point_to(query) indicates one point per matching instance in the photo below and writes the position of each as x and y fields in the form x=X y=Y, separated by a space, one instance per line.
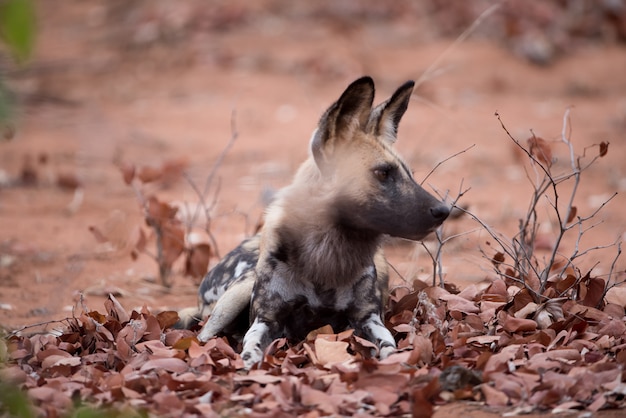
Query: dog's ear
x=349 y=113
x=384 y=119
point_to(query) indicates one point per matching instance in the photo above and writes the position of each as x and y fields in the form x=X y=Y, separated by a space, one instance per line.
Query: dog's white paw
x=386 y=352
x=250 y=358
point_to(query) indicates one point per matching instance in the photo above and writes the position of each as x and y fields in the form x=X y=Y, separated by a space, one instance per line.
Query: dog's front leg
x=365 y=314
x=258 y=337
x=372 y=329
x=266 y=306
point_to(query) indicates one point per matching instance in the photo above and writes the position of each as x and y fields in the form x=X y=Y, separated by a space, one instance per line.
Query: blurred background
x=230 y=91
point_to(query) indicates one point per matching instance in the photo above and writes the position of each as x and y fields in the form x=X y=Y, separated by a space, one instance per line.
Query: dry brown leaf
x=258 y=376
x=406 y=303
x=526 y=311
x=43 y=393
x=116 y=310
x=173 y=170
x=171 y=364
x=497 y=287
x=316 y=398
x=565 y=283
x=422 y=352
x=133 y=332
x=153 y=328
x=97 y=316
x=68 y=181
x=331 y=352
x=471 y=292
x=512 y=324
x=457 y=303
x=615 y=327
x=498 y=259
x=149 y=174
x=168 y=403
x=384 y=388
x=159 y=211
x=60 y=360
x=494 y=397
x=197 y=260
x=488 y=310
x=540 y=149
x=128 y=172
x=363 y=347
x=614 y=310
x=173 y=242
x=572 y=214
x=593 y=291
x=138 y=240
x=499 y=362
x=167 y=319
x=598 y=403
x=604 y=148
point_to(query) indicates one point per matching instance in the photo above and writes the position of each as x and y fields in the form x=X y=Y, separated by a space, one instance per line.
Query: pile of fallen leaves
x=488 y=343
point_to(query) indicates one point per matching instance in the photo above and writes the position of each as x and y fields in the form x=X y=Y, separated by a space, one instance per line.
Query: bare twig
x=216 y=165
x=607 y=287
x=521 y=247
x=397 y=272
x=444 y=160
x=462 y=37
x=436 y=258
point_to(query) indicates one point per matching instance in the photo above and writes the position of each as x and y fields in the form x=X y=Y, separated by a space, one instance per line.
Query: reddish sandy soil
x=93 y=100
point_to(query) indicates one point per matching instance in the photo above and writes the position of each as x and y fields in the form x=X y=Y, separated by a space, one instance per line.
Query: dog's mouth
x=421 y=235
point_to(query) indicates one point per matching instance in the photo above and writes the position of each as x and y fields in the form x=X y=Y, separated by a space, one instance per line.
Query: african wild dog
x=318 y=259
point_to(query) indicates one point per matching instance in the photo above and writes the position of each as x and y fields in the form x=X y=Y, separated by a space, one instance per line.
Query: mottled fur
x=318 y=259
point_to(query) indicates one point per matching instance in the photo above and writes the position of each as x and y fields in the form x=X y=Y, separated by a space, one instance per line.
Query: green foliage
x=17 y=31
x=6 y=105
x=91 y=412
x=4 y=355
x=14 y=402
x=17 y=27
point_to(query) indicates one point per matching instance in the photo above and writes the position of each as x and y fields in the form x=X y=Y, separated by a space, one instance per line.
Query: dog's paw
x=386 y=351
x=203 y=336
x=206 y=333
x=252 y=357
x=210 y=329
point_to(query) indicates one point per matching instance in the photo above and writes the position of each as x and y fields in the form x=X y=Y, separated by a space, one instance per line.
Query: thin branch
x=608 y=280
x=444 y=160
x=491 y=232
x=207 y=210
x=595 y=212
x=619 y=253
x=17 y=331
x=528 y=153
x=397 y=272
x=436 y=259
x=218 y=162
x=462 y=37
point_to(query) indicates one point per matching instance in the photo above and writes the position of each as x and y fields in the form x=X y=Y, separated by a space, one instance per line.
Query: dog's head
x=373 y=189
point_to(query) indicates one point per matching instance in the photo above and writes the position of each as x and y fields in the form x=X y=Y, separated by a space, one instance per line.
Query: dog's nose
x=440 y=213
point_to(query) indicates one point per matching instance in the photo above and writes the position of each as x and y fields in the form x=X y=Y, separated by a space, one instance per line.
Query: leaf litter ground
x=484 y=344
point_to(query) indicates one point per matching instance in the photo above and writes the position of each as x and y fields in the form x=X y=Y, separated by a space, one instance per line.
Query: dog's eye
x=383 y=173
